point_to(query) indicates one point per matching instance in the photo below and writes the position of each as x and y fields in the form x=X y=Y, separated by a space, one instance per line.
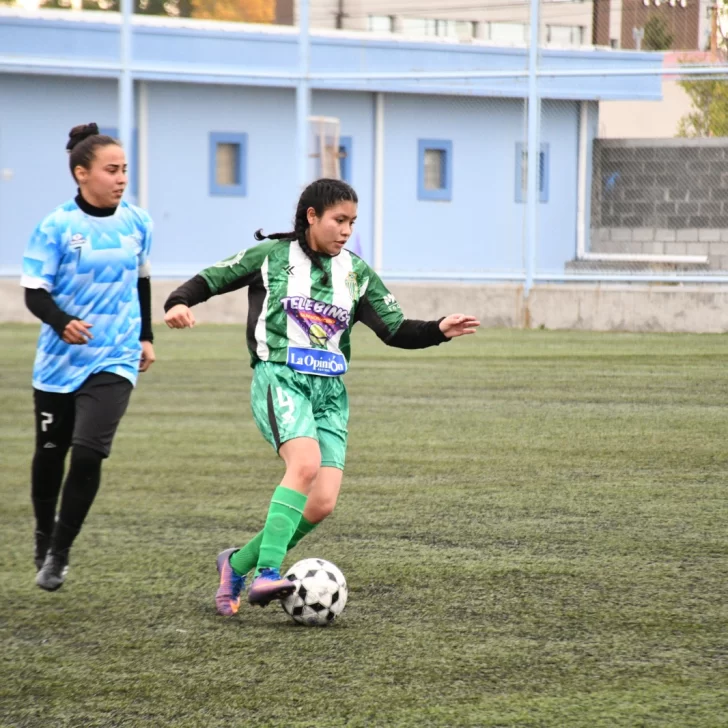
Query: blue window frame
x=228 y=164
x=132 y=158
x=521 y=173
x=434 y=169
x=345 y=150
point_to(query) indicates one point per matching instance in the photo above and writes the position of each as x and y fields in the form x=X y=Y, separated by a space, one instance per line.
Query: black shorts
x=89 y=416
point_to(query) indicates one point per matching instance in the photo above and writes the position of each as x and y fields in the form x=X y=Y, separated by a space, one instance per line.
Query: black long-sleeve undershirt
x=41 y=304
x=144 y=289
x=414 y=334
x=190 y=293
x=411 y=334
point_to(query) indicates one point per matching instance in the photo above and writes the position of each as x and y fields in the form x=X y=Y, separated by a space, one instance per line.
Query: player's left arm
x=144 y=290
x=380 y=311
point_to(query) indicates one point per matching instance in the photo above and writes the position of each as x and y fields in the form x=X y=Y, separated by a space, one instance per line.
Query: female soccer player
x=86 y=277
x=305 y=292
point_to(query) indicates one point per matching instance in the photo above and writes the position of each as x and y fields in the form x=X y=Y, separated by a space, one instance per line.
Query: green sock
x=304 y=528
x=246 y=558
x=284 y=515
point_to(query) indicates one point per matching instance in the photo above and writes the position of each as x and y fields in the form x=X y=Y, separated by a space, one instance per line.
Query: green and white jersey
x=296 y=319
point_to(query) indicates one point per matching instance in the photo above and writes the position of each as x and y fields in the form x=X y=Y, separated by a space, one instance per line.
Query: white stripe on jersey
x=299 y=284
x=260 y=327
x=341 y=266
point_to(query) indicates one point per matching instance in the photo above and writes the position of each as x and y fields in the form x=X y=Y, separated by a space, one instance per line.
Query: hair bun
x=81 y=132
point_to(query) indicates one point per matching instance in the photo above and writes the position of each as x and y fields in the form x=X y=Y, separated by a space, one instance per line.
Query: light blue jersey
x=90 y=266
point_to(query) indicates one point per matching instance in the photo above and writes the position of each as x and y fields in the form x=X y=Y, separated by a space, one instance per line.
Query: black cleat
x=42 y=542
x=53 y=572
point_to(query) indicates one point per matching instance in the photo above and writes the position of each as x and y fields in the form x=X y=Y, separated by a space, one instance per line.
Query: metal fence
x=630 y=178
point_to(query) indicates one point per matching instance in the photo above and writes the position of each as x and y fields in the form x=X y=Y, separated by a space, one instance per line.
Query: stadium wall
x=579 y=306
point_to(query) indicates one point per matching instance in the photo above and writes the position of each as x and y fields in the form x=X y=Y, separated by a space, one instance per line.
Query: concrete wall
x=661 y=196
x=588 y=307
x=657 y=119
x=645 y=119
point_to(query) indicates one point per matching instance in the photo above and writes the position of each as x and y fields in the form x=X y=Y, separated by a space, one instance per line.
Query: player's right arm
x=228 y=275
x=41 y=262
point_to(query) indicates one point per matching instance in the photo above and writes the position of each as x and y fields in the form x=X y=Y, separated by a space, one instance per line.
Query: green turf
x=533 y=526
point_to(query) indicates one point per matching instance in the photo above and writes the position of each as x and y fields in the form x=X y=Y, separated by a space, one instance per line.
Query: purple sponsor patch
x=320 y=321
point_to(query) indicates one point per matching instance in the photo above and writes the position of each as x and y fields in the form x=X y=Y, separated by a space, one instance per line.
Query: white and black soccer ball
x=320 y=594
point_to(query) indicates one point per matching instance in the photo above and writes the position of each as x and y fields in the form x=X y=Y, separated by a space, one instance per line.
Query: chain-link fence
x=429 y=109
x=658 y=185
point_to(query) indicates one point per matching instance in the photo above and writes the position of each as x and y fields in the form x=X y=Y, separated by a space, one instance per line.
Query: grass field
x=534 y=527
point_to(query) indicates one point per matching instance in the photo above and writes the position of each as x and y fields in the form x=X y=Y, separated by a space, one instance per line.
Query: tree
x=657 y=36
x=246 y=11
x=174 y=8
x=709 y=114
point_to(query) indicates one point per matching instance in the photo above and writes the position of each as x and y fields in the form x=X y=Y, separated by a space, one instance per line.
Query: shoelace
x=270 y=574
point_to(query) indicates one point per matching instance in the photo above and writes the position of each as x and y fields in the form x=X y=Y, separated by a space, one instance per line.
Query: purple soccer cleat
x=227 y=599
x=268 y=586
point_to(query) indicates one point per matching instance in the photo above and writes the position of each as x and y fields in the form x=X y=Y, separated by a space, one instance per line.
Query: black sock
x=79 y=491
x=46 y=480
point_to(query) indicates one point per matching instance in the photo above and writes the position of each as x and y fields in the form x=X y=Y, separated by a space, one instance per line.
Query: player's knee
x=304 y=470
x=85 y=460
x=50 y=455
x=319 y=508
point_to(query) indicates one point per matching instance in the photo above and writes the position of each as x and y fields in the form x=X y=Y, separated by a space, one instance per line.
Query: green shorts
x=288 y=404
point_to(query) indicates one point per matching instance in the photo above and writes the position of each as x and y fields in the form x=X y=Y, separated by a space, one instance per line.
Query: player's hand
x=77 y=332
x=179 y=317
x=148 y=358
x=458 y=324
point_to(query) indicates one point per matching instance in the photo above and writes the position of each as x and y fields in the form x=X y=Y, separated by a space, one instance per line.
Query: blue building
x=401 y=104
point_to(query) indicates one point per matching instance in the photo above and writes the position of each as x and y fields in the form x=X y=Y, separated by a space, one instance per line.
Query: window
x=345 y=147
x=228 y=163
x=446 y=28
x=418 y=26
x=508 y=32
x=132 y=158
x=460 y=29
x=434 y=169
x=565 y=35
x=522 y=173
x=380 y=23
x=465 y=29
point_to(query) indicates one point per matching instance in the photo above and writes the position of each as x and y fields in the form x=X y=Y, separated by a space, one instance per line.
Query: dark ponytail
x=321 y=195
x=83 y=140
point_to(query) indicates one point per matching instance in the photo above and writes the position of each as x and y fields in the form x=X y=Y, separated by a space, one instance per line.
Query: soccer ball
x=320 y=594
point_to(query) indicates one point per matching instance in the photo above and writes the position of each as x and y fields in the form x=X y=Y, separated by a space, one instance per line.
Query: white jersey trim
x=261 y=329
x=34 y=283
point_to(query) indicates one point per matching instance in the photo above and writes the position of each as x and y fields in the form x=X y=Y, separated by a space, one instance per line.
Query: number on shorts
x=47 y=420
x=285 y=400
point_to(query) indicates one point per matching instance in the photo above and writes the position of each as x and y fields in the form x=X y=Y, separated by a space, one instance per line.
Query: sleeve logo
x=391 y=302
x=231 y=261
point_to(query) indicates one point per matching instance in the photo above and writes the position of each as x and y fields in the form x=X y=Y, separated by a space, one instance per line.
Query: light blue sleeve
x=42 y=257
